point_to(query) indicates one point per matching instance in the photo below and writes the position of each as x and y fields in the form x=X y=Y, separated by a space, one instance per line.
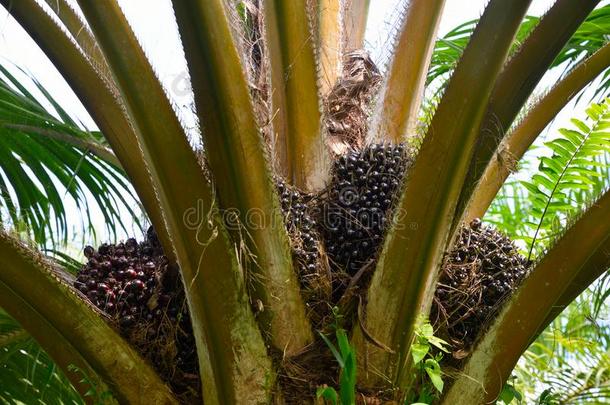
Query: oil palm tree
x=248 y=315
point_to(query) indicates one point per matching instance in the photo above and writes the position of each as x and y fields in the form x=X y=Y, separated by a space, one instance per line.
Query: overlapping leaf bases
x=336 y=237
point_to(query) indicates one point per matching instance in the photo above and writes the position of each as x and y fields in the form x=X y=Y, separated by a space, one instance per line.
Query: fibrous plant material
x=347 y=106
x=301 y=375
x=479 y=273
x=134 y=285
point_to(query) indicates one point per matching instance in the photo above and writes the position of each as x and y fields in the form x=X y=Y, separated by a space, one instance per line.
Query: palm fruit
x=356 y=212
x=300 y=221
x=120 y=279
x=301 y=228
x=134 y=285
x=478 y=274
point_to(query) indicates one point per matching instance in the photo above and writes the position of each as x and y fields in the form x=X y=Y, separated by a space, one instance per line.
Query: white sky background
x=159 y=36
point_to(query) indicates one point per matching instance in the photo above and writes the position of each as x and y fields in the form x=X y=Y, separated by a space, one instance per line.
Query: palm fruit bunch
x=120 y=279
x=356 y=213
x=478 y=274
x=300 y=221
x=301 y=227
x=134 y=285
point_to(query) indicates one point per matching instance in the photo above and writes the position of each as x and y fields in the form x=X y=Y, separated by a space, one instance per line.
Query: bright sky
x=158 y=33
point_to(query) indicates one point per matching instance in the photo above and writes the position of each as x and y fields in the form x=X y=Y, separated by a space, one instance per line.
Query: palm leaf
x=27 y=373
x=585 y=382
x=81 y=33
x=588 y=38
x=561 y=176
x=520 y=76
x=574 y=338
x=517 y=141
x=99 y=97
x=49 y=162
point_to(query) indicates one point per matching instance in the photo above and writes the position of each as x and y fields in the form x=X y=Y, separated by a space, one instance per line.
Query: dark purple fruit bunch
x=478 y=275
x=301 y=227
x=120 y=279
x=134 y=285
x=356 y=213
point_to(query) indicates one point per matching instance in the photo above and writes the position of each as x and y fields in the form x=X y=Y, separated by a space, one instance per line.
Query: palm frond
x=519 y=78
x=105 y=105
x=81 y=33
x=448 y=49
x=516 y=143
x=403 y=89
x=226 y=335
x=571 y=366
x=50 y=162
x=588 y=38
x=27 y=373
x=518 y=207
x=571 y=172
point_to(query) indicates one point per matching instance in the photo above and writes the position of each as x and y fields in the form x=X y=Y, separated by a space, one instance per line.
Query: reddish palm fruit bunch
x=356 y=213
x=133 y=284
x=478 y=275
x=120 y=279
